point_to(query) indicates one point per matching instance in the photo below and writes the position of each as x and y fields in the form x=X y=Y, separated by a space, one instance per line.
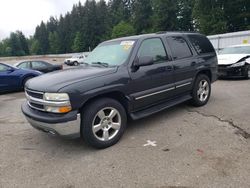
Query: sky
x=25 y=15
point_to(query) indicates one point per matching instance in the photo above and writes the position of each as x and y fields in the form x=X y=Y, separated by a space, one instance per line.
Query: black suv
x=127 y=77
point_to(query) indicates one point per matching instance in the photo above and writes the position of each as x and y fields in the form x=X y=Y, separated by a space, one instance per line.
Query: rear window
x=201 y=44
x=179 y=47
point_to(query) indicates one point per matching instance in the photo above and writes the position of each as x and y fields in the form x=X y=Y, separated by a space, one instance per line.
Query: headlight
x=240 y=64
x=57 y=102
x=56 y=97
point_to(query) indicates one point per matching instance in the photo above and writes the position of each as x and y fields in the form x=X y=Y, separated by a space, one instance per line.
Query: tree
x=23 y=42
x=103 y=22
x=78 y=43
x=184 y=15
x=41 y=34
x=142 y=14
x=35 y=47
x=165 y=15
x=122 y=29
x=237 y=14
x=15 y=45
x=54 y=43
x=210 y=17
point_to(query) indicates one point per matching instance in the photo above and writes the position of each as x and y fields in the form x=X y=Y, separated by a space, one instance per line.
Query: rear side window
x=179 y=47
x=201 y=44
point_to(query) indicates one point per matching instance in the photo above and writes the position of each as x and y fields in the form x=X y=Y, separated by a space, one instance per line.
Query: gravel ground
x=181 y=147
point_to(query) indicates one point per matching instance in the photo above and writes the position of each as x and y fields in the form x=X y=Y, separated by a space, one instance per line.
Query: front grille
x=35 y=94
x=34 y=99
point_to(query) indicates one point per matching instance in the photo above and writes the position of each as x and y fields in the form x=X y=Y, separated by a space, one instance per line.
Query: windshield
x=110 y=53
x=236 y=50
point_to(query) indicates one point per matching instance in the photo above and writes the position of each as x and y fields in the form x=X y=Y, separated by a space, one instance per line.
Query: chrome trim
x=38 y=92
x=155 y=93
x=182 y=85
x=40 y=109
x=47 y=103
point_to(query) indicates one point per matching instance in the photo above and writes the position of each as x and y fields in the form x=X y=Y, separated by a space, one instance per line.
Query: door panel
x=154 y=83
x=184 y=63
x=8 y=78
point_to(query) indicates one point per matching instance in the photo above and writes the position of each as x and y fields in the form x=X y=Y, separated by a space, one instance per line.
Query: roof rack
x=163 y=32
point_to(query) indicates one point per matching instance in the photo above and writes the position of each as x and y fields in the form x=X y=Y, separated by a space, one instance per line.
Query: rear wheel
x=75 y=63
x=201 y=90
x=103 y=122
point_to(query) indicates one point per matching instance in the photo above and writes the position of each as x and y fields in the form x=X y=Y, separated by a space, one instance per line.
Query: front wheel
x=247 y=73
x=201 y=90
x=103 y=122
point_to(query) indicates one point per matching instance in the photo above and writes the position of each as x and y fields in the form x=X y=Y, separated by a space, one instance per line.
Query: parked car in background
x=127 y=77
x=41 y=66
x=12 y=78
x=75 y=60
x=234 y=61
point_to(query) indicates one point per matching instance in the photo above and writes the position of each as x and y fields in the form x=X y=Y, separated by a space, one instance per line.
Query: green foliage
x=78 y=43
x=122 y=29
x=165 y=15
x=35 y=47
x=142 y=14
x=210 y=17
x=88 y=24
x=54 y=43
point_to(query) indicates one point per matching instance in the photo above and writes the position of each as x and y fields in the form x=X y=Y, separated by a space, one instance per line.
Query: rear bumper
x=232 y=72
x=66 y=125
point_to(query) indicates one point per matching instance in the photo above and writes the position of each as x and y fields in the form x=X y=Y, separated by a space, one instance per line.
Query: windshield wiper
x=100 y=63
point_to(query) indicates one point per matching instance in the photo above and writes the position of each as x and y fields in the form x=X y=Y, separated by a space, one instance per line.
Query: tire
x=75 y=63
x=97 y=128
x=247 y=73
x=201 y=90
x=25 y=80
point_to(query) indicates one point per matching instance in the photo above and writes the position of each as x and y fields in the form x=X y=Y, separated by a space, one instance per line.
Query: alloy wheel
x=106 y=124
x=203 y=90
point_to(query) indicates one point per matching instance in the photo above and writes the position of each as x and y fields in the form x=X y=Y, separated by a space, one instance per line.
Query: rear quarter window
x=179 y=47
x=201 y=44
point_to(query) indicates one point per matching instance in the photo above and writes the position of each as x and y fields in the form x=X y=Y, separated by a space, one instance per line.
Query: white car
x=75 y=60
x=234 y=61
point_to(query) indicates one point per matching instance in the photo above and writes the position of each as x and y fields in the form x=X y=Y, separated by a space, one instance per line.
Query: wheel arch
x=207 y=72
x=116 y=95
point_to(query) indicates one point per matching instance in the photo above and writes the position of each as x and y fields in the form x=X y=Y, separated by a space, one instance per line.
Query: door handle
x=169 y=68
x=193 y=63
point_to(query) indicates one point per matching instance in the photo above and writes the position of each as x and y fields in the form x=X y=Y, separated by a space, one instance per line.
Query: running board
x=157 y=108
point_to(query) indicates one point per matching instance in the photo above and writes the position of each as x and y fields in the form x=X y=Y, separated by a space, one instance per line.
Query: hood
x=54 y=81
x=72 y=59
x=228 y=59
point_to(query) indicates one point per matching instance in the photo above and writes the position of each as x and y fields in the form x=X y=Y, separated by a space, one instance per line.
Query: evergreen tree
x=23 y=42
x=78 y=43
x=165 y=15
x=184 y=15
x=54 y=43
x=142 y=14
x=210 y=17
x=41 y=35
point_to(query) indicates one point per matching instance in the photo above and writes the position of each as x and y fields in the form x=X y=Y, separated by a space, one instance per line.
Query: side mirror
x=10 y=69
x=144 y=61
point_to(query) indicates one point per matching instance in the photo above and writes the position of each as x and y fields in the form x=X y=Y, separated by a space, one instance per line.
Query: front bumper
x=227 y=71
x=66 y=125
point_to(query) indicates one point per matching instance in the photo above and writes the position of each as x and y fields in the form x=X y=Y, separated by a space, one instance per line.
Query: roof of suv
x=160 y=33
